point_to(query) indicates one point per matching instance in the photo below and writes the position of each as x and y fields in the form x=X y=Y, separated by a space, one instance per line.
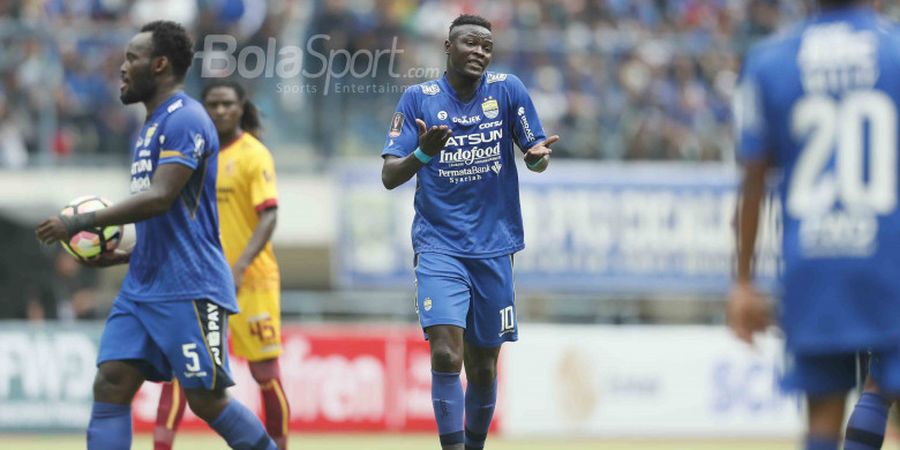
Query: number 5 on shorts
x=190 y=351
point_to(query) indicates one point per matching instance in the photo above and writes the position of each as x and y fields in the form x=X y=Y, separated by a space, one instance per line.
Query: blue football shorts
x=186 y=339
x=474 y=294
x=823 y=374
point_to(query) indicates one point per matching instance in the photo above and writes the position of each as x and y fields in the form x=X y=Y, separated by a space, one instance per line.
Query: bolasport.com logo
x=312 y=68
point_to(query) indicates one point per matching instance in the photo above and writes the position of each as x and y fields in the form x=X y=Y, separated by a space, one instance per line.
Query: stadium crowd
x=618 y=79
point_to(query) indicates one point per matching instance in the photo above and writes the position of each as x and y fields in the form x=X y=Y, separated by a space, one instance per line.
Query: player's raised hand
x=538 y=156
x=748 y=312
x=51 y=230
x=432 y=140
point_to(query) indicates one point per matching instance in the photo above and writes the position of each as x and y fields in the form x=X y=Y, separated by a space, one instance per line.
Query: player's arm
x=751 y=197
x=185 y=149
x=398 y=170
x=264 y=195
x=527 y=129
x=261 y=236
x=167 y=183
x=748 y=312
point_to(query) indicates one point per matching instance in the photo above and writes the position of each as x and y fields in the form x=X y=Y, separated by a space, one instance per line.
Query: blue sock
x=865 y=430
x=241 y=429
x=110 y=427
x=447 y=399
x=480 y=402
x=815 y=443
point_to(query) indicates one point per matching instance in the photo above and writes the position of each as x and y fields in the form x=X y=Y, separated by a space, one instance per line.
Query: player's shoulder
x=185 y=111
x=501 y=79
x=253 y=147
x=430 y=88
x=504 y=82
x=777 y=47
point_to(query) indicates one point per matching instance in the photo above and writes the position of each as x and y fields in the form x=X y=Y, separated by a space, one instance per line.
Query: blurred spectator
x=74 y=289
x=618 y=79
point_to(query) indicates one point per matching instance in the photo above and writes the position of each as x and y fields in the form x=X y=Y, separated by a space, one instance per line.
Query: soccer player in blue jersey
x=820 y=102
x=171 y=314
x=456 y=135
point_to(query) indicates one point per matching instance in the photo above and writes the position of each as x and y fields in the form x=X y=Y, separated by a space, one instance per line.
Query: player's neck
x=162 y=94
x=464 y=87
x=226 y=139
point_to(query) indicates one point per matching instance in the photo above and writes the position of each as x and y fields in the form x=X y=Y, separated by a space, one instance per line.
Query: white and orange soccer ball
x=91 y=243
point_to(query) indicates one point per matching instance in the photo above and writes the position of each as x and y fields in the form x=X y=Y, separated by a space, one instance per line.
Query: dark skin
x=149 y=80
x=748 y=311
x=469 y=50
x=226 y=108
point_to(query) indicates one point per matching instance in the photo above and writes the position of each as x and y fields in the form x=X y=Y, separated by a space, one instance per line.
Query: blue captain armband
x=421 y=156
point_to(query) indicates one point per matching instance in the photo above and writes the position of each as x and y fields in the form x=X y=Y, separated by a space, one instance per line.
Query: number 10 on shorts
x=507 y=320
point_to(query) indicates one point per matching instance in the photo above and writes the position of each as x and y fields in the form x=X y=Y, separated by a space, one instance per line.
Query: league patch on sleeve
x=199 y=146
x=396 y=125
x=494 y=77
x=431 y=89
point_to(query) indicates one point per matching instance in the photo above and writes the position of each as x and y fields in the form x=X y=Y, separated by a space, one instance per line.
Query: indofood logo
x=471 y=155
x=476 y=153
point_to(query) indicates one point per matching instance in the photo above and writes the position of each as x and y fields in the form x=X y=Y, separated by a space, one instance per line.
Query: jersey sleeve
x=403 y=134
x=183 y=140
x=751 y=125
x=263 y=191
x=527 y=130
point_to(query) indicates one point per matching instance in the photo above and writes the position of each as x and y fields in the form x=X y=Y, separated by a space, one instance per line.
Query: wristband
x=78 y=222
x=421 y=156
x=534 y=165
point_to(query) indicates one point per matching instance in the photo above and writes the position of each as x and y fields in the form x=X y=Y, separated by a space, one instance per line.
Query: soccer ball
x=92 y=242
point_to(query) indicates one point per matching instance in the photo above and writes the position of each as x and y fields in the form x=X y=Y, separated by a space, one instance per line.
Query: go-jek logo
x=467 y=120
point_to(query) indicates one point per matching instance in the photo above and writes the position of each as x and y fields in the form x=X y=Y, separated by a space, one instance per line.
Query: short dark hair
x=470 y=19
x=171 y=40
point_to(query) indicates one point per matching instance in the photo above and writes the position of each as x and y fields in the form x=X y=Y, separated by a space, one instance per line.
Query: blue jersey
x=467 y=197
x=820 y=102
x=178 y=254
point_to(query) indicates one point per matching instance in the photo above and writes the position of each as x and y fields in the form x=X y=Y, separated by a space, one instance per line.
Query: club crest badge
x=490 y=108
